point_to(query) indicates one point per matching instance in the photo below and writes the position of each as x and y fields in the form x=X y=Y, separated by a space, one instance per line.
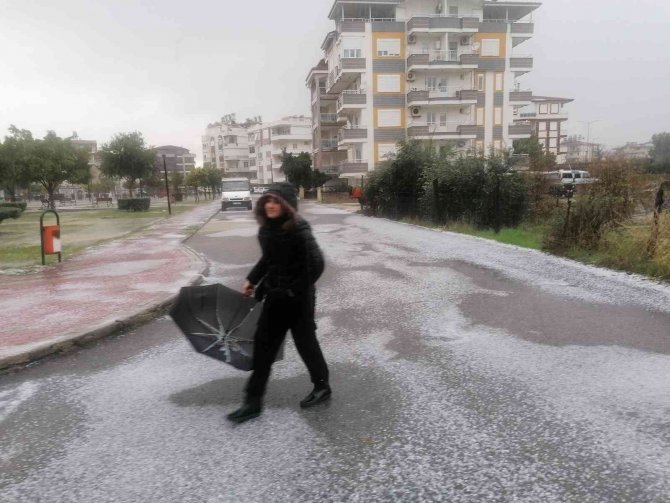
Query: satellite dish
x=476 y=46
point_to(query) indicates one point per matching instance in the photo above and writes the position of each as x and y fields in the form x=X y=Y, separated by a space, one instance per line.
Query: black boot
x=320 y=393
x=249 y=410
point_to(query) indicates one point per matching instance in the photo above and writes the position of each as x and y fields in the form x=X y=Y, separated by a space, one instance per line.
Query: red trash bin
x=52 y=244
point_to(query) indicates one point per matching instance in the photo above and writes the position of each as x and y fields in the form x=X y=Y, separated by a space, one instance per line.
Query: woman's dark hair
x=259 y=209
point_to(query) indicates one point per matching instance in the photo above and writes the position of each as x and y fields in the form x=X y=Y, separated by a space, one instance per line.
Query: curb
x=65 y=343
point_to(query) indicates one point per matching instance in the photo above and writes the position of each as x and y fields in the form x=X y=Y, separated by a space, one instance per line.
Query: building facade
x=177 y=159
x=225 y=145
x=548 y=118
x=268 y=141
x=445 y=72
x=95 y=156
x=634 y=150
x=578 y=150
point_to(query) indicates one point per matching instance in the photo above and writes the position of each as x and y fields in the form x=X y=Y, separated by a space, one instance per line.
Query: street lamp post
x=167 y=187
x=588 y=137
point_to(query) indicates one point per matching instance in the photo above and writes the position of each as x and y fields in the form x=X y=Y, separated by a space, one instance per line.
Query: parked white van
x=235 y=193
x=570 y=176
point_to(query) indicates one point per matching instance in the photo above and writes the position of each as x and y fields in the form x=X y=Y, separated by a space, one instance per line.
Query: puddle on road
x=549 y=319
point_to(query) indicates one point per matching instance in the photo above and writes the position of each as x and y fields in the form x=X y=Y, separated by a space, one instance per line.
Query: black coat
x=292 y=260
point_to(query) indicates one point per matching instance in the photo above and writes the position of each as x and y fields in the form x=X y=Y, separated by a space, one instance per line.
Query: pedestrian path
x=102 y=290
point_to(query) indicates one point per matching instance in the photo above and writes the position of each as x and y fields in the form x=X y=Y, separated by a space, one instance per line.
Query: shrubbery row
x=134 y=204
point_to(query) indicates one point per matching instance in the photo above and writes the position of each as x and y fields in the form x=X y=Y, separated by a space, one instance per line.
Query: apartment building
x=442 y=71
x=267 y=142
x=578 y=150
x=225 y=145
x=633 y=150
x=177 y=159
x=95 y=159
x=548 y=119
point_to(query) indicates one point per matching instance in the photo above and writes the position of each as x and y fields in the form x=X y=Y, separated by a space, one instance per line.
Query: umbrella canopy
x=219 y=322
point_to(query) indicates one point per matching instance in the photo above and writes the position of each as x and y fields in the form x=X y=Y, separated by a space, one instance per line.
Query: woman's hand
x=247 y=289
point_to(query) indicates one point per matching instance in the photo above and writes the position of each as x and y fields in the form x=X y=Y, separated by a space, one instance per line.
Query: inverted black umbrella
x=219 y=322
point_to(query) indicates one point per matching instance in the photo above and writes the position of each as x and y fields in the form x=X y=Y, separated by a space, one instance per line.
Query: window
x=544 y=108
x=554 y=108
x=430 y=118
x=481 y=82
x=246 y=164
x=389 y=118
x=480 y=116
x=499 y=81
x=443 y=119
x=386 y=150
x=497 y=145
x=552 y=142
x=437 y=84
x=497 y=116
x=295 y=146
x=490 y=47
x=388 y=47
x=388 y=83
x=554 y=126
x=351 y=48
x=542 y=126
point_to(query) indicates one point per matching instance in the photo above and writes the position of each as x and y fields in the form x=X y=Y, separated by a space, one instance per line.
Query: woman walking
x=290 y=264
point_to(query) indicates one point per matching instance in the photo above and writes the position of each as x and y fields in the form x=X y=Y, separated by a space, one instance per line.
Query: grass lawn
x=526 y=235
x=80 y=229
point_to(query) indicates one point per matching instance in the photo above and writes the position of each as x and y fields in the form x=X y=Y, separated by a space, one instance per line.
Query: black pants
x=279 y=315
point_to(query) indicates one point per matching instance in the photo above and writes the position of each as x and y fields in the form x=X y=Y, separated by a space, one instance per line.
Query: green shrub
x=20 y=204
x=6 y=213
x=597 y=209
x=134 y=204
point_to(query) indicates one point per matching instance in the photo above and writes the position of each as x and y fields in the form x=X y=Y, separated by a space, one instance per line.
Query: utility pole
x=167 y=187
x=588 y=138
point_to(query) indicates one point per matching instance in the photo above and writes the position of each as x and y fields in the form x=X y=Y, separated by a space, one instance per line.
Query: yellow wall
x=403 y=83
x=403 y=118
x=502 y=37
x=399 y=35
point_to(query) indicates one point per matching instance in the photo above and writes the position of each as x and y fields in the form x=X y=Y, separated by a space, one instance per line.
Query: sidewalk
x=99 y=292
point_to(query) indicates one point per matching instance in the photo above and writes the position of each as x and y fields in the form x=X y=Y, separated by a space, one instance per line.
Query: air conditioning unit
x=416 y=112
x=461 y=143
x=475 y=47
x=465 y=40
x=411 y=39
x=410 y=76
x=464 y=111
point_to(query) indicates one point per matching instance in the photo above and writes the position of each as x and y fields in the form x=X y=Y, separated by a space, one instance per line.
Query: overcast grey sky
x=167 y=68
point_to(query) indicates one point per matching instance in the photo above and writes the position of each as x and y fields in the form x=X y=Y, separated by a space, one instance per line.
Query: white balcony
x=441 y=95
x=424 y=130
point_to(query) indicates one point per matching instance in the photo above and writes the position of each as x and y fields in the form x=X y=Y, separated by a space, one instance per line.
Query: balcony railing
x=353 y=166
x=351 y=97
x=328 y=117
x=434 y=55
x=329 y=144
x=431 y=129
x=464 y=57
x=352 y=133
x=438 y=93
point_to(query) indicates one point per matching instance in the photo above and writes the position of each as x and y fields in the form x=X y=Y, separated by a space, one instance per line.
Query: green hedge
x=135 y=204
x=8 y=204
x=6 y=213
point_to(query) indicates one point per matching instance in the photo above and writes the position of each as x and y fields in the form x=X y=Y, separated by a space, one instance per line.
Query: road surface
x=463 y=371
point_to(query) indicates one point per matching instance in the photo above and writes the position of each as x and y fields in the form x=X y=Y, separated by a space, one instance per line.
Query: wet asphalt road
x=463 y=370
